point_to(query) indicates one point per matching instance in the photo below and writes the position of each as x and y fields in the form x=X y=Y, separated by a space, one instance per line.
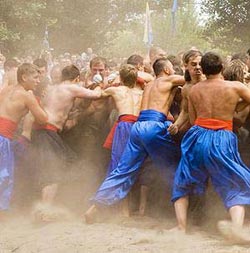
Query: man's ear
x=76 y=80
x=166 y=71
x=24 y=77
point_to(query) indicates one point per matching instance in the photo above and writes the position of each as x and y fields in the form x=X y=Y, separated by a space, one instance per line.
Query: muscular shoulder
x=186 y=89
x=236 y=84
x=115 y=89
x=163 y=83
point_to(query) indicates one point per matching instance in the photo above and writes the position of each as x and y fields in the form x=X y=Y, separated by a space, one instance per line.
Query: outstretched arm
x=109 y=91
x=81 y=92
x=177 y=80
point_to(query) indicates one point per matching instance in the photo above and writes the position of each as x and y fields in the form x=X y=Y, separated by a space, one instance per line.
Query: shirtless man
x=236 y=70
x=16 y=101
x=53 y=156
x=10 y=72
x=44 y=78
x=209 y=148
x=127 y=98
x=143 y=78
x=193 y=75
x=94 y=126
x=149 y=136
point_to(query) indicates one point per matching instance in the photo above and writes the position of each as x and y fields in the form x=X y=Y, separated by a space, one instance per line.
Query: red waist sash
x=124 y=118
x=214 y=124
x=46 y=127
x=7 y=128
x=140 y=81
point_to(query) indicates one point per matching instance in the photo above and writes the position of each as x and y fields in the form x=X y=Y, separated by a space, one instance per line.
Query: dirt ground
x=150 y=234
x=135 y=234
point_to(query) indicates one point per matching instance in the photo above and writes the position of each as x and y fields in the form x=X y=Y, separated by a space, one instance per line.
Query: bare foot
x=47 y=213
x=90 y=215
x=232 y=233
x=177 y=229
x=125 y=208
x=125 y=213
x=141 y=212
x=3 y=216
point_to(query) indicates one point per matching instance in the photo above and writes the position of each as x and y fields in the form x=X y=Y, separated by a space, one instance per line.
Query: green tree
x=74 y=25
x=228 y=24
x=188 y=33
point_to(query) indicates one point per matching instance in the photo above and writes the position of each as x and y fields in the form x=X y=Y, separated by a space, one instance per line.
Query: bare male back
x=159 y=94
x=59 y=101
x=216 y=98
x=127 y=100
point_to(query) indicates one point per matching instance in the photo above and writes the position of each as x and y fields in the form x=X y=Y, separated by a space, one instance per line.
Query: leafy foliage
x=111 y=27
x=228 y=25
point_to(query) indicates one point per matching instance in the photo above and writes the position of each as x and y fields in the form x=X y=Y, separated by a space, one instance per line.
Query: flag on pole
x=173 y=11
x=148 y=33
x=46 y=40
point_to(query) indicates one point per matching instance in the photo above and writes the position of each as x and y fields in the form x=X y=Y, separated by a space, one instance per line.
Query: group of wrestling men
x=145 y=129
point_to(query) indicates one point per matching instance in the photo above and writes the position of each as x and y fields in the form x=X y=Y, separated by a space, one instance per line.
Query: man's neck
x=195 y=80
x=212 y=77
x=67 y=82
x=21 y=86
x=162 y=75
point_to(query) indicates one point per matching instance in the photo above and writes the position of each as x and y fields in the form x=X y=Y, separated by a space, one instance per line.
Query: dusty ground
x=19 y=234
x=136 y=234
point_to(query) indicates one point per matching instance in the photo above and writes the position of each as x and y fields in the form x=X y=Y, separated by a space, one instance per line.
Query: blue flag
x=46 y=40
x=173 y=11
x=148 y=33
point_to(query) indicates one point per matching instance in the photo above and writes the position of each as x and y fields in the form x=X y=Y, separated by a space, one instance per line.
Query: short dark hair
x=160 y=65
x=211 y=63
x=70 y=73
x=248 y=51
x=40 y=63
x=135 y=60
x=26 y=69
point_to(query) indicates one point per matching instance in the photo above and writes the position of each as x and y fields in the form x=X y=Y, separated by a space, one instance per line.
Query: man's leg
x=90 y=214
x=49 y=193
x=237 y=214
x=234 y=230
x=181 y=207
x=143 y=199
x=125 y=207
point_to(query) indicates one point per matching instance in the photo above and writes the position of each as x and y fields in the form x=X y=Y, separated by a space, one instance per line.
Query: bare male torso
x=59 y=101
x=16 y=102
x=127 y=100
x=159 y=94
x=216 y=98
